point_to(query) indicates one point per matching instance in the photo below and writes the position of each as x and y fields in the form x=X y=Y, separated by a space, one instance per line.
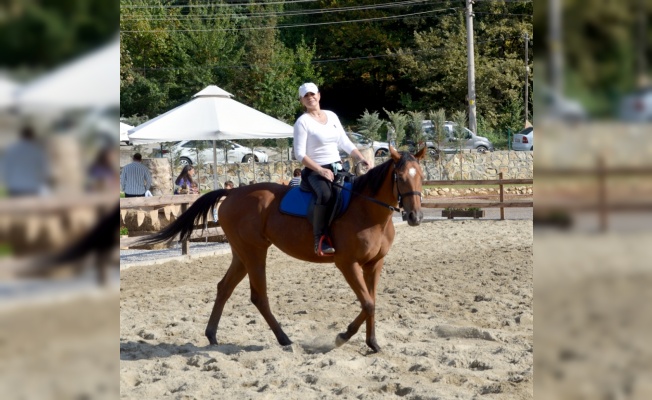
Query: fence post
x=184 y=243
x=502 y=197
x=602 y=194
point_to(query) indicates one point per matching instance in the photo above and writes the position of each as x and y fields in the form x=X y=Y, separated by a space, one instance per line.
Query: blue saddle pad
x=296 y=201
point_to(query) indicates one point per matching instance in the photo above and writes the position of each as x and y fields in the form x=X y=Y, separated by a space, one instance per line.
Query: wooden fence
x=184 y=201
x=501 y=203
x=597 y=201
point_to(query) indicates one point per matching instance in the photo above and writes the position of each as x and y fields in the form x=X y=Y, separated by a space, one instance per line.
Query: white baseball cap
x=307 y=88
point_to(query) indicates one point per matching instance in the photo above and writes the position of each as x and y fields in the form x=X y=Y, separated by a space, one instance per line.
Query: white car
x=524 y=140
x=124 y=138
x=381 y=149
x=235 y=153
x=637 y=106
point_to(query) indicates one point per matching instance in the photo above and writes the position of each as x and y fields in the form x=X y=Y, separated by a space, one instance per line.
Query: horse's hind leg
x=258 y=282
x=225 y=287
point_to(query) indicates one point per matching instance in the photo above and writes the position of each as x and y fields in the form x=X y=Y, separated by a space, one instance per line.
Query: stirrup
x=328 y=251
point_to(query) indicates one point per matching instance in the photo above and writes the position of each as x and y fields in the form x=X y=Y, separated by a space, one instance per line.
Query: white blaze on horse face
x=412 y=172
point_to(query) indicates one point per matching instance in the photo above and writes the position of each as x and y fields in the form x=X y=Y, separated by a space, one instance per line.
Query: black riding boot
x=320 y=218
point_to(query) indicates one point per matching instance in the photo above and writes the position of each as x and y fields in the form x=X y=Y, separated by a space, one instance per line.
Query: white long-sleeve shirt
x=319 y=141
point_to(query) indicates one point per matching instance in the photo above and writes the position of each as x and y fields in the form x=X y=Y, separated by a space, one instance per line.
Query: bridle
x=381 y=203
x=401 y=195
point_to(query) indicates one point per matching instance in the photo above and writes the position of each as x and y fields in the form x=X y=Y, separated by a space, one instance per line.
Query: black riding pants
x=320 y=186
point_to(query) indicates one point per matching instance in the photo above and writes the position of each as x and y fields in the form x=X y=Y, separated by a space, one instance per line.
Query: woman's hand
x=326 y=173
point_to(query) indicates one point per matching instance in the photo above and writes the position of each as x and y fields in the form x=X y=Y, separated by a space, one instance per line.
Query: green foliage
x=369 y=125
x=43 y=34
x=459 y=123
x=124 y=231
x=436 y=66
x=396 y=126
x=438 y=119
x=169 y=54
x=416 y=126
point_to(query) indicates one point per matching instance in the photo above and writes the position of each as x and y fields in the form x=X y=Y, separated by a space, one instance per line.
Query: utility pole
x=642 y=79
x=527 y=76
x=554 y=40
x=473 y=125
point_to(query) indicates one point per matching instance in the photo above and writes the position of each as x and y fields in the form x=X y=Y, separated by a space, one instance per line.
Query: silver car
x=235 y=153
x=451 y=144
x=381 y=149
x=524 y=140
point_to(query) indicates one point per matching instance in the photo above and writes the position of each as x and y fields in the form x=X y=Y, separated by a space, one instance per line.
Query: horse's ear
x=421 y=154
x=396 y=156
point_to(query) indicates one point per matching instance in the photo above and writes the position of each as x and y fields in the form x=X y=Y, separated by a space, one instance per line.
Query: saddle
x=300 y=201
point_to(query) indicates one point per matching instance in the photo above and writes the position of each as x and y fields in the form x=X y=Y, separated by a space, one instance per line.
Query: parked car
x=637 y=106
x=524 y=140
x=451 y=143
x=236 y=153
x=124 y=138
x=381 y=149
x=555 y=106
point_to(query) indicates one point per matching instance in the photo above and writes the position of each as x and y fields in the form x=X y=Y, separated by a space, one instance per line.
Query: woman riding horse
x=252 y=222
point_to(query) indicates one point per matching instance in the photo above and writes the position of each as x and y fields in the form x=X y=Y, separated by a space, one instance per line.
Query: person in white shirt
x=318 y=136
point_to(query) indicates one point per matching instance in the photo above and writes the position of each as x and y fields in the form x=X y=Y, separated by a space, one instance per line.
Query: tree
x=396 y=125
x=459 y=135
x=436 y=65
x=416 y=126
x=369 y=125
x=438 y=119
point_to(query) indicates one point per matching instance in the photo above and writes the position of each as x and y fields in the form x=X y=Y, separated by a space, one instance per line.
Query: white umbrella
x=8 y=90
x=210 y=115
x=92 y=81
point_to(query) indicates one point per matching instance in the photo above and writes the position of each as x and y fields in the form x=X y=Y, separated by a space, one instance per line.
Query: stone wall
x=513 y=164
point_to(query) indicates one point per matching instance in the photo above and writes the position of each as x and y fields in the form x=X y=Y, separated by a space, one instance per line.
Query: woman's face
x=311 y=101
x=191 y=172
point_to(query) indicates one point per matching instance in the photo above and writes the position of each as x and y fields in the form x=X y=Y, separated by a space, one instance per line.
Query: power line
x=412 y=15
x=285 y=13
x=487 y=13
x=218 y=4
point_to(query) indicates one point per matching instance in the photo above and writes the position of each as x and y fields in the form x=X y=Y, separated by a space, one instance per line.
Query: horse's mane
x=374 y=178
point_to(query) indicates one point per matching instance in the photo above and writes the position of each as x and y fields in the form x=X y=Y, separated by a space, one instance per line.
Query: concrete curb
x=188 y=257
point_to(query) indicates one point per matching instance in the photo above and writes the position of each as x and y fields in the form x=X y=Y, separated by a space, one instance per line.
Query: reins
x=371 y=199
x=380 y=203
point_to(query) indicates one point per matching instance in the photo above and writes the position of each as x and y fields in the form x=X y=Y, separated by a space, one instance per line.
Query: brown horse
x=362 y=236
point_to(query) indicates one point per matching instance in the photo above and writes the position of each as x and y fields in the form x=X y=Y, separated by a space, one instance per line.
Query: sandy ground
x=60 y=347
x=454 y=320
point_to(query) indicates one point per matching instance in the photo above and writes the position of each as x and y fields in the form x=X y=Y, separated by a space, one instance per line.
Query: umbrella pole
x=214 y=165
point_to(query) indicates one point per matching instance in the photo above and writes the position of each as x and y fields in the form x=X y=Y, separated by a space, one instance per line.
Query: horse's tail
x=195 y=215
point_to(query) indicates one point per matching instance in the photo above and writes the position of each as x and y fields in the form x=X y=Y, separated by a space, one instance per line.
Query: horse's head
x=408 y=178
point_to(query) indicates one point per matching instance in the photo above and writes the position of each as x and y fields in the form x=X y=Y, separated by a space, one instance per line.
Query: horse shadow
x=142 y=350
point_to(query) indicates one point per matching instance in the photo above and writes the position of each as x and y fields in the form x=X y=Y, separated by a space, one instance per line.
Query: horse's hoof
x=373 y=345
x=340 y=339
x=285 y=342
x=212 y=338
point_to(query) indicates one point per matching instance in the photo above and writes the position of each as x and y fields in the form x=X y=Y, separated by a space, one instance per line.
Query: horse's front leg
x=371 y=273
x=354 y=277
